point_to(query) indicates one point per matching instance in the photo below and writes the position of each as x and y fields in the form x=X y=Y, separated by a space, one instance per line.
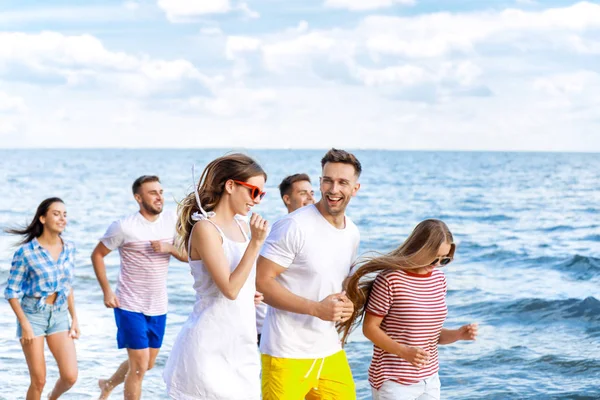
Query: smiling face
x=150 y=197
x=55 y=219
x=339 y=184
x=301 y=194
x=241 y=197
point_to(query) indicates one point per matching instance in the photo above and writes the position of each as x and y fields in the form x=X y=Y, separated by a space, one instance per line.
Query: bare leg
x=107 y=385
x=138 y=365
x=62 y=347
x=34 y=355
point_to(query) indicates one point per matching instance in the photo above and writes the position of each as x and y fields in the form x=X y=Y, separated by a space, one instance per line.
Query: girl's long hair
x=35 y=227
x=211 y=187
x=419 y=250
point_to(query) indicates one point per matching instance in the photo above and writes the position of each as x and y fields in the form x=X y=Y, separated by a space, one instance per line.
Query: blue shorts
x=137 y=331
x=45 y=319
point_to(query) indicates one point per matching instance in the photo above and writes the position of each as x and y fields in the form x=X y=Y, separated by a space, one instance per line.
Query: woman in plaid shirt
x=41 y=277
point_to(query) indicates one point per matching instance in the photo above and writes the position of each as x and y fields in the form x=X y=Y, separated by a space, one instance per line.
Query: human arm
x=26 y=330
x=13 y=292
x=163 y=247
x=465 y=332
x=372 y=331
x=335 y=307
x=205 y=242
x=101 y=251
x=74 y=332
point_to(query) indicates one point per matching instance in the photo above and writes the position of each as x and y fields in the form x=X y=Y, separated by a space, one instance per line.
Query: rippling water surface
x=527 y=266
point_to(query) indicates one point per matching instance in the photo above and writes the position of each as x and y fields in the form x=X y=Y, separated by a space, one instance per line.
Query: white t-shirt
x=261 y=313
x=317 y=257
x=142 y=281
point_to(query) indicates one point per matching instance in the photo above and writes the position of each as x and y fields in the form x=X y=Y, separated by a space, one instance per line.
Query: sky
x=515 y=75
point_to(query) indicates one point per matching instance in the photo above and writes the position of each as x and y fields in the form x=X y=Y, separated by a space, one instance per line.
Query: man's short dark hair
x=342 y=156
x=137 y=184
x=286 y=184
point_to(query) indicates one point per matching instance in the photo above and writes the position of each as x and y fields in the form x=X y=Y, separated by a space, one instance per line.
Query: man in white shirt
x=145 y=243
x=302 y=266
x=296 y=191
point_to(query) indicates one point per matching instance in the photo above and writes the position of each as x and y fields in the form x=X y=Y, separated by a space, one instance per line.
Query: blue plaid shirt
x=34 y=273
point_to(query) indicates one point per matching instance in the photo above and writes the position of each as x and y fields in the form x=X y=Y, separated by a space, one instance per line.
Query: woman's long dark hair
x=35 y=228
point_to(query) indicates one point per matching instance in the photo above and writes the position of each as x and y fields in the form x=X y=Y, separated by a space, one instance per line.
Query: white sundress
x=215 y=356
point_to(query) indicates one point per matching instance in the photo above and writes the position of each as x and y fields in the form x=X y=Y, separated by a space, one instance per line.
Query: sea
x=527 y=266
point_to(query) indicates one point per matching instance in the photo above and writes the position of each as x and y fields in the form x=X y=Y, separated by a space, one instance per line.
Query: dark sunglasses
x=254 y=190
x=441 y=260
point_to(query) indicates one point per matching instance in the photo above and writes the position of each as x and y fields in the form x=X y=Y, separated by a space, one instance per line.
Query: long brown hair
x=35 y=227
x=210 y=189
x=419 y=250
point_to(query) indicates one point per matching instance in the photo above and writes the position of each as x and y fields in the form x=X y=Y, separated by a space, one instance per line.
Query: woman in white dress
x=215 y=356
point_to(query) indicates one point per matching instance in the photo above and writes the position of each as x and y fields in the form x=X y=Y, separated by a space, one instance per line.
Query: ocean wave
x=533 y=310
x=580 y=267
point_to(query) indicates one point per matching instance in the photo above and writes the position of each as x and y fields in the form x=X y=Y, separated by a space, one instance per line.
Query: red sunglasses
x=254 y=190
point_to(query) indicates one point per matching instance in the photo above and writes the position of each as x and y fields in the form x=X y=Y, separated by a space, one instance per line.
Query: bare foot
x=105 y=388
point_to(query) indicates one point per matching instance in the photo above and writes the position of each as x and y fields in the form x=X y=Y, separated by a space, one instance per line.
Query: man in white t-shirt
x=296 y=191
x=145 y=243
x=300 y=271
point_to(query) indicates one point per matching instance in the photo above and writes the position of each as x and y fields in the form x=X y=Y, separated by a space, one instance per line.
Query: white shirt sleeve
x=283 y=243
x=114 y=236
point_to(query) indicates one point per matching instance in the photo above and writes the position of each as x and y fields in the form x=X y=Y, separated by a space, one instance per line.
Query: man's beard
x=151 y=209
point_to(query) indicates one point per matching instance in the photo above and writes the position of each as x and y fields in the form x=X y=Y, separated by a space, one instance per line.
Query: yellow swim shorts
x=326 y=378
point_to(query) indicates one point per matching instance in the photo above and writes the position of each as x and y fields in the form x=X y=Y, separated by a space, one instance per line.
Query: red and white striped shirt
x=414 y=309
x=142 y=281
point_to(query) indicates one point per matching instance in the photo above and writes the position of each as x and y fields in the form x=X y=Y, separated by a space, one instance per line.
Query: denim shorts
x=45 y=319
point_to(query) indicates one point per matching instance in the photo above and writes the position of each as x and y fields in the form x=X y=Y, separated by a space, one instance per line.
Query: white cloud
x=235 y=102
x=184 y=10
x=10 y=103
x=243 y=7
x=362 y=5
x=87 y=13
x=434 y=35
x=240 y=44
x=131 y=5
x=211 y=31
x=568 y=83
x=83 y=59
x=403 y=75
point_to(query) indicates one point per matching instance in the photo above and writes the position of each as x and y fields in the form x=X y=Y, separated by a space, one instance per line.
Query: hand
x=335 y=307
x=160 y=247
x=110 y=300
x=258 y=228
x=258 y=298
x=468 y=332
x=415 y=355
x=349 y=306
x=74 y=331
x=27 y=335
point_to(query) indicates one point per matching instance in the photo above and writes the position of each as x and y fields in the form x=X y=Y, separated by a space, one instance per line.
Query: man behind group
x=302 y=266
x=145 y=243
x=296 y=192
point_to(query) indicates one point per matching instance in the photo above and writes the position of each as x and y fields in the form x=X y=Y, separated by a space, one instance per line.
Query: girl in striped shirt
x=402 y=298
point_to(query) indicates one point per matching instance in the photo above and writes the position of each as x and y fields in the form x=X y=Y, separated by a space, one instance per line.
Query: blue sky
x=402 y=74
